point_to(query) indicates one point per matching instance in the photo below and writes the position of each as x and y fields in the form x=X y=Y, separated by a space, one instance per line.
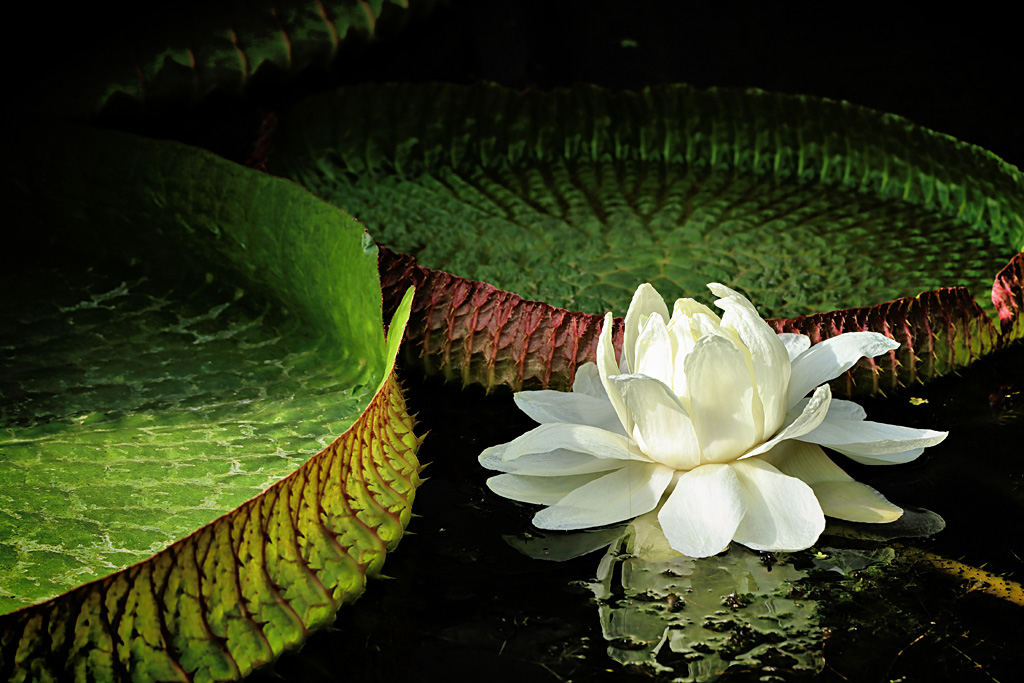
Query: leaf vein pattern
x=242 y=589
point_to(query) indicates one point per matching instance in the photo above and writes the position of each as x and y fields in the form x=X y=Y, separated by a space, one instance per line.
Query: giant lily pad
x=573 y=197
x=215 y=446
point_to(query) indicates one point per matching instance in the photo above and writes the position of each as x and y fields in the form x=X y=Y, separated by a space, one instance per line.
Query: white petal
x=569 y=407
x=646 y=302
x=805 y=461
x=845 y=410
x=703 y=324
x=663 y=429
x=839 y=495
x=864 y=437
x=795 y=343
x=768 y=355
x=883 y=459
x=592 y=441
x=782 y=511
x=541 y=490
x=588 y=382
x=837 y=409
x=654 y=356
x=814 y=413
x=855 y=502
x=702 y=512
x=721 y=392
x=606 y=367
x=829 y=359
x=685 y=310
x=551 y=464
x=682 y=344
x=620 y=495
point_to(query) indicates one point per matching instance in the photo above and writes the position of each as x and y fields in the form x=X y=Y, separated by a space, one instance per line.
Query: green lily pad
x=138 y=414
x=574 y=197
x=201 y=458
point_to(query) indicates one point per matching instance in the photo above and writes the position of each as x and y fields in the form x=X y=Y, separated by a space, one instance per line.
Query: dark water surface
x=463 y=600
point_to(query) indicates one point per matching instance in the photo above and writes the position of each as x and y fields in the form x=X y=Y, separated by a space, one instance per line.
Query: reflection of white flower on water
x=709 y=420
x=696 y=618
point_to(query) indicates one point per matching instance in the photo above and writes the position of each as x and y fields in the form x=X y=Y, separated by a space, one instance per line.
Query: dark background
x=959 y=73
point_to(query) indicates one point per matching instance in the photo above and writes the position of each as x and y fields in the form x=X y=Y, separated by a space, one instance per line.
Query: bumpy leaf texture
x=134 y=414
x=222 y=47
x=239 y=591
x=573 y=197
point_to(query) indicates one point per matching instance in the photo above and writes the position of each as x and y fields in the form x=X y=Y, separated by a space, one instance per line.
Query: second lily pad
x=574 y=197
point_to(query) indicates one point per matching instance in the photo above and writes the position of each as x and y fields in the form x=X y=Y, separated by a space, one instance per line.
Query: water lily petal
x=845 y=410
x=557 y=463
x=606 y=367
x=569 y=407
x=856 y=502
x=654 y=352
x=782 y=511
x=663 y=428
x=646 y=302
x=814 y=413
x=795 y=343
x=539 y=489
x=864 y=437
x=706 y=325
x=588 y=382
x=592 y=441
x=805 y=461
x=721 y=393
x=881 y=459
x=839 y=495
x=685 y=309
x=837 y=409
x=703 y=511
x=829 y=359
x=684 y=338
x=617 y=496
x=768 y=356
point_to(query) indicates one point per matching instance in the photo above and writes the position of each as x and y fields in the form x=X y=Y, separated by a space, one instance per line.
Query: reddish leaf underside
x=475 y=333
x=1008 y=296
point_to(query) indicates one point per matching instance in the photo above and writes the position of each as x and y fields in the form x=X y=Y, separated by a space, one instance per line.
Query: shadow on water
x=464 y=599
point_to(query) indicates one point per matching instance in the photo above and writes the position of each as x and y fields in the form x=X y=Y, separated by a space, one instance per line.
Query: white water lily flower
x=709 y=420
